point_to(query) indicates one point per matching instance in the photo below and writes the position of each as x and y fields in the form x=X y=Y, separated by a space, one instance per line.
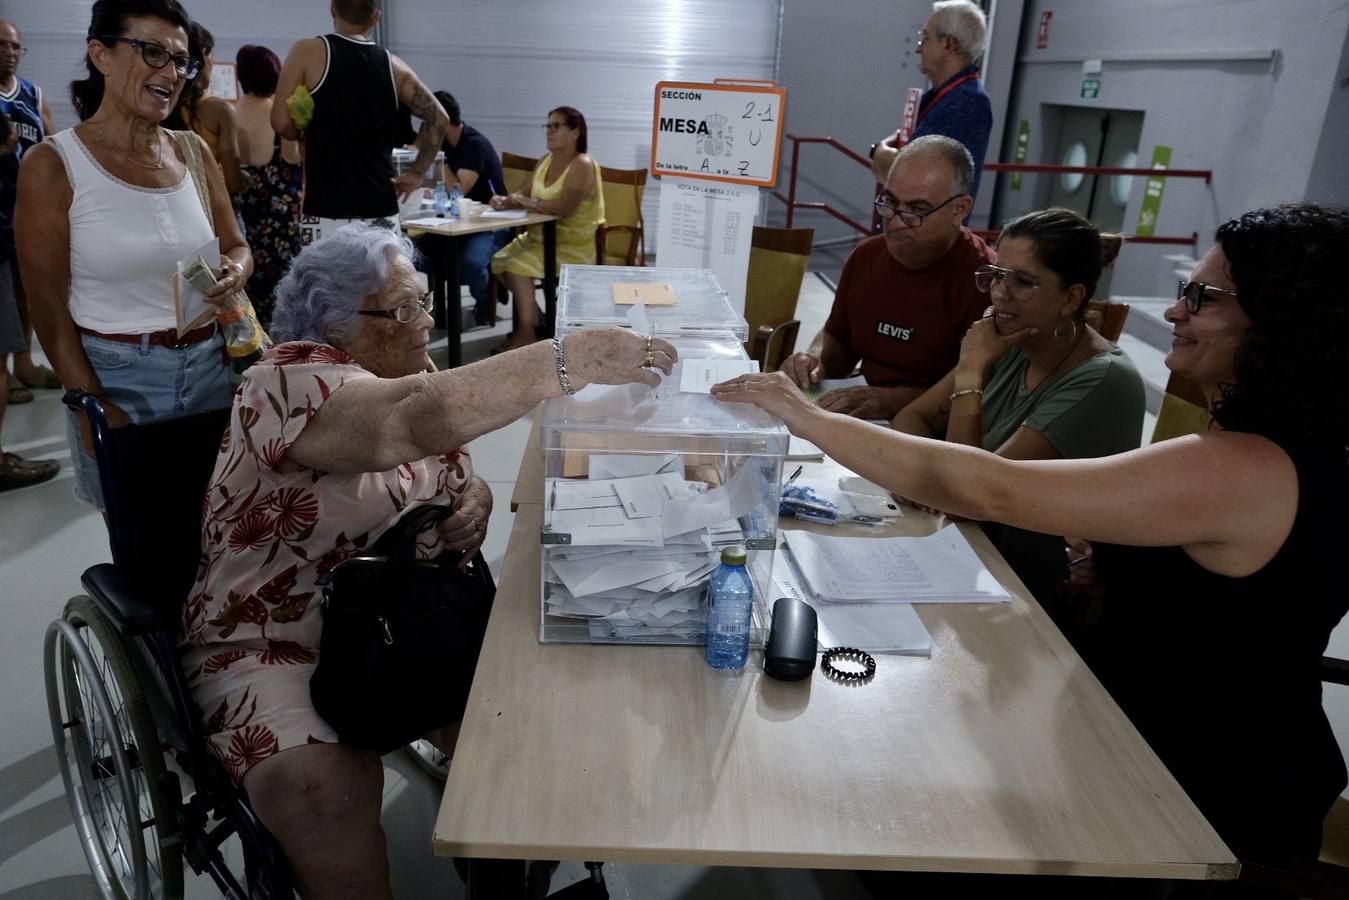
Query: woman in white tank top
x=105 y=210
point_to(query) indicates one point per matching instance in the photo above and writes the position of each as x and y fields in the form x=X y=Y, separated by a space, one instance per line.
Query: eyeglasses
x=11 y=46
x=1194 y=293
x=923 y=36
x=1019 y=285
x=550 y=127
x=406 y=313
x=157 y=57
x=910 y=218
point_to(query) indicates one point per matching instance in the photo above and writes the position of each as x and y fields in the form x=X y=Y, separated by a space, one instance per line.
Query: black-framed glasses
x=910 y=218
x=157 y=57
x=406 y=313
x=1194 y=293
x=551 y=127
x=14 y=47
x=1018 y=284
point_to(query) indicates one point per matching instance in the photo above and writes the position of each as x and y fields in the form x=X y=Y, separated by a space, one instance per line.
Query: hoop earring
x=1066 y=340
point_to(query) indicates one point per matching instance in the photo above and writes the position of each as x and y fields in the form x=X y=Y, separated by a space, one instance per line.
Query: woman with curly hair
x=1212 y=548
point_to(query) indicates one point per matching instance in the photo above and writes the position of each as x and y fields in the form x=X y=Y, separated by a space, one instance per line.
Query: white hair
x=964 y=23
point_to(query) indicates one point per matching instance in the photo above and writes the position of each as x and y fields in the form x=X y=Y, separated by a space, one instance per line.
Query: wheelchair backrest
x=156 y=488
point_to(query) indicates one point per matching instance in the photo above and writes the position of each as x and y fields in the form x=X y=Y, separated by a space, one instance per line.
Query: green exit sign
x=1091 y=88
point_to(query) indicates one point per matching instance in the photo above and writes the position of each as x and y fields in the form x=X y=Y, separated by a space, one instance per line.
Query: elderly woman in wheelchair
x=334 y=434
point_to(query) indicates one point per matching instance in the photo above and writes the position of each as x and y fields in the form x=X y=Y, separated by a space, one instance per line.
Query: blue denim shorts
x=149 y=382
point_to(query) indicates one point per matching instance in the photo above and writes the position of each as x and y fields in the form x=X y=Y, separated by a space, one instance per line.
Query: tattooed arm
x=435 y=124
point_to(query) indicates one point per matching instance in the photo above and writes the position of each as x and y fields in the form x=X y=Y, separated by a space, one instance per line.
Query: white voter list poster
x=708 y=225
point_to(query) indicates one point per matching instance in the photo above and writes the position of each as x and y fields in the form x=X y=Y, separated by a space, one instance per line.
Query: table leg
x=454 y=313
x=550 y=277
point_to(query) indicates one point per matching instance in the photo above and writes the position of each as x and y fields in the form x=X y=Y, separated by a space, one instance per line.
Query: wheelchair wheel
x=111 y=757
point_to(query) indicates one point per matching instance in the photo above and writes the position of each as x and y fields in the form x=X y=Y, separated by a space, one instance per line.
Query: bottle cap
x=734 y=556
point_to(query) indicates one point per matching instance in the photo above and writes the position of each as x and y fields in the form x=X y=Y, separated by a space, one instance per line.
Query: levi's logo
x=889 y=329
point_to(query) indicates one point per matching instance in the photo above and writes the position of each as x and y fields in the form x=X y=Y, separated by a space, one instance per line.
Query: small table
x=1001 y=753
x=442 y=249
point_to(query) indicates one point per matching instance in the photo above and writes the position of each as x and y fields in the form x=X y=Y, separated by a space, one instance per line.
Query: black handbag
x=400 y=638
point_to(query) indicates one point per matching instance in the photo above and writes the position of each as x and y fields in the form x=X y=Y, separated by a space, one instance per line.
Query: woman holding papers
x=566 y=184
x=334 y=435
x=106 y=210
x=1034 y=380
x=1212 y=548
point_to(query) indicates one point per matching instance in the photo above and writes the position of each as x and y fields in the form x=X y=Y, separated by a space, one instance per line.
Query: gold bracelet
x=978 y=391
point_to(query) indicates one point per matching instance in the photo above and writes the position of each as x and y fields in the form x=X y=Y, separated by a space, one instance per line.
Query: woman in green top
x=1034 y=380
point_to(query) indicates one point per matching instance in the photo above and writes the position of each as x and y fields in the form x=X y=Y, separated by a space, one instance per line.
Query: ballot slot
x=642 y=489
x=682 y=302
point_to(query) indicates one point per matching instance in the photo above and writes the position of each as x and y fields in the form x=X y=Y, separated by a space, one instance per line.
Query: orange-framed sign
x=718 y=132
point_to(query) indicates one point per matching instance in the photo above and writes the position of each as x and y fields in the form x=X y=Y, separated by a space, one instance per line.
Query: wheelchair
x=145 y=793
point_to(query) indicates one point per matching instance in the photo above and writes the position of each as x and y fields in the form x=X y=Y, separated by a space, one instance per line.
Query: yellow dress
x=575 y=233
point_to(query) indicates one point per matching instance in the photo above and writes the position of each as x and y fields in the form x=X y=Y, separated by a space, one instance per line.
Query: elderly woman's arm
x=376 y=424
x=1228 y=498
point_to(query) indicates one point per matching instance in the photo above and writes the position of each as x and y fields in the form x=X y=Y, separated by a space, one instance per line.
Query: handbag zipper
x=388 y=635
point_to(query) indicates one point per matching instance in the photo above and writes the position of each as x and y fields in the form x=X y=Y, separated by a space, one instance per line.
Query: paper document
x=698 y=375
x=427 y=222
x=592 y=527
x=637 y=318
x=800 y=448
x=502 y=214
x=732 y=500
x=816 y=391
x=875 y=627
x=189 y=304
x=652 y=294
x=939 y=568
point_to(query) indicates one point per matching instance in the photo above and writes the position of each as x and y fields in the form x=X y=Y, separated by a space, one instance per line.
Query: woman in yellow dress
x=566 y=183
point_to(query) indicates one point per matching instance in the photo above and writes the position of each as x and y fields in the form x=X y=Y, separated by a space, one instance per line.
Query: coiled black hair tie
x=851 y=654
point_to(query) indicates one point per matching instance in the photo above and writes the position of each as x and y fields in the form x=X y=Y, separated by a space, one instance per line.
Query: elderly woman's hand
x=616 y=356
x=774 y=393
x=466 y=529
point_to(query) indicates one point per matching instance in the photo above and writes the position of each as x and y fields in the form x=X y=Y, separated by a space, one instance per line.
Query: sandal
x=16 y=472
x=19 y=394
x=42 y=378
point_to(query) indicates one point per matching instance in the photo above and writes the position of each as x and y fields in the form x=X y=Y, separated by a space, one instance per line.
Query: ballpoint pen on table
x=792 y=477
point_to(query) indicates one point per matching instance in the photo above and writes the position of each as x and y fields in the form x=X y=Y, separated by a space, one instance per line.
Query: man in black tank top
x=356 y=87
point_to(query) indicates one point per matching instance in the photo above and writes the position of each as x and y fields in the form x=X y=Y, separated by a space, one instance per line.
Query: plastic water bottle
x=730 y=604
x=456 y=194
x=438 y=201
x=236 y=327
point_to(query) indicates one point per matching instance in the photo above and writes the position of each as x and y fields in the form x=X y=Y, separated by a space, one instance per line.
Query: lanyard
x=943 y=92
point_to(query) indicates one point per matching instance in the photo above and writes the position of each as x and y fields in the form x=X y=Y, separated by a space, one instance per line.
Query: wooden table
x=1001 y=753
x=442 y=250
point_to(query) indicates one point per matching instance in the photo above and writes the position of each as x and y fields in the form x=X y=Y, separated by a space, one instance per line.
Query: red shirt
x=906 y=324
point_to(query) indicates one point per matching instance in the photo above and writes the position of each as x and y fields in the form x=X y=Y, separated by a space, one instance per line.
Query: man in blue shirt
x=23 y=104
x=957 y=106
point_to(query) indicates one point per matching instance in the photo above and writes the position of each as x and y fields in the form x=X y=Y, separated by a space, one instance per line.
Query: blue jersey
x=959 y=108
x=22 y=104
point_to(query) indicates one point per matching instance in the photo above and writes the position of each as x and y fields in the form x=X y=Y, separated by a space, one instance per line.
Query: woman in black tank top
x=1217 y=551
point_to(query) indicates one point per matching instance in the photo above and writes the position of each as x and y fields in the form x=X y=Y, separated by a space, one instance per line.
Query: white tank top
x=125 y=242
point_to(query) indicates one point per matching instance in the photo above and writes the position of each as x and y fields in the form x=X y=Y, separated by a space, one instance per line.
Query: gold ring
x=650 y=360
x=648 y=346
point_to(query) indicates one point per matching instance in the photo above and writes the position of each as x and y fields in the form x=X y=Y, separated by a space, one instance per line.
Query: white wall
x=1256 y=123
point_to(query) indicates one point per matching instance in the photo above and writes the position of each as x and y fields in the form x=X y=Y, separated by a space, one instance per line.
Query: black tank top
x=1222 y=675
x=348 y=166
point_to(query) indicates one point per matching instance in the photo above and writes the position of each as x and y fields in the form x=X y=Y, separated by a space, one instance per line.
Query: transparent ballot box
x=588 y=296
x=643 y=488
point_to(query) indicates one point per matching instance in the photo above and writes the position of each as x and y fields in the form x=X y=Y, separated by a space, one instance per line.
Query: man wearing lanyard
x=957 y=106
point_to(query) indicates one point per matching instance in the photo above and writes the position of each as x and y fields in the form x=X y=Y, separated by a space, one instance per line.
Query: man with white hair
x=957 y=106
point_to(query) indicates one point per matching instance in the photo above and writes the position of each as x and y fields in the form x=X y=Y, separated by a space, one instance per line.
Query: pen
x=1081 y=559
x=491 y=187
x=792 y=477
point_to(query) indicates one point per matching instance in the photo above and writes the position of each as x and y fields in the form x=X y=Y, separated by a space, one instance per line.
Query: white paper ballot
x=732 y=500
x=698 y=375
x=638 y=319
x=800 y=448
x=630 y=466
x=192 y=309
x=938 y=568
x=647 y=495
x=611 y=525
x=427 y=222
x=874 y=627
x=501 y=214
x=579 y=494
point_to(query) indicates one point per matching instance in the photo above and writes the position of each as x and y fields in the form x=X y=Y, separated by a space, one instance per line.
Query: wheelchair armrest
x=1335 y=671
x=124 y=604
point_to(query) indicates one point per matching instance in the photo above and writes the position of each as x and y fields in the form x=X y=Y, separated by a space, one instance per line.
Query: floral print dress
x=270 y=210
x=270 y=528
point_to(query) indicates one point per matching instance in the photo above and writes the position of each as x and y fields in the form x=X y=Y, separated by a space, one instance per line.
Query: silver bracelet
x=560 y=357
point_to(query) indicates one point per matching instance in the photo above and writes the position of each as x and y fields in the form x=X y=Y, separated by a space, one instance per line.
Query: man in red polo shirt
x=906 y=296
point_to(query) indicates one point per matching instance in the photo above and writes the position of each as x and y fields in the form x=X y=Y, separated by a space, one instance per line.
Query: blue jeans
x=148 y=382
x=475 y=262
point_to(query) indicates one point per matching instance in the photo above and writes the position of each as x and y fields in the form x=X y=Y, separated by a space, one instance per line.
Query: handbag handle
x=399 y=541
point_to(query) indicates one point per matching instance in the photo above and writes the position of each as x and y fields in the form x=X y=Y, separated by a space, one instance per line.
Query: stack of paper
x=642 y=544
x=939 y=568
x=876 y=627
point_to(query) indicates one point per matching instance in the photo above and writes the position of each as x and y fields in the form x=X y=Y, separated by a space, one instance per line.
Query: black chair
x=126 y=732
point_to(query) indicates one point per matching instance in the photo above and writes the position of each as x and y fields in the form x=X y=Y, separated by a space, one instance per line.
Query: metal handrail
x=1033 y=168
